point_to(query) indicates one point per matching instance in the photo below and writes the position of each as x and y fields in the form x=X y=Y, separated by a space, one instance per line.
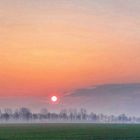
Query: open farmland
x=69 y=132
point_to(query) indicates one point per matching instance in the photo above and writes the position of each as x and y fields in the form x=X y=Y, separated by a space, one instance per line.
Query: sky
x=52 y=47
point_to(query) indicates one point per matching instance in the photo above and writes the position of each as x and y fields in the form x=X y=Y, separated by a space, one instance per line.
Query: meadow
x=69 y=131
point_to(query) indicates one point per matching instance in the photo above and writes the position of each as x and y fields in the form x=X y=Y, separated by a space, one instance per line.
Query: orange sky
x=56 y=46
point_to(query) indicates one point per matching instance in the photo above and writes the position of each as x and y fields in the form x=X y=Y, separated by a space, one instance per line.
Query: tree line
x=71 y=115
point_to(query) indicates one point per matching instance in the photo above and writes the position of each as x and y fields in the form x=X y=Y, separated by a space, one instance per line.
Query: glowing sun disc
x=54 y=98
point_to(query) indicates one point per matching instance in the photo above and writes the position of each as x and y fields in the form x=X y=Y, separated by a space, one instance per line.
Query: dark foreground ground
x=69 y=132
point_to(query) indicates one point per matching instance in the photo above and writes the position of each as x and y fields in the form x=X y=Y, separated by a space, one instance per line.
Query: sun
x=54 y=98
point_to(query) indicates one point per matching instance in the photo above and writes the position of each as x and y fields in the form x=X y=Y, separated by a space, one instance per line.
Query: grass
x=69 y=132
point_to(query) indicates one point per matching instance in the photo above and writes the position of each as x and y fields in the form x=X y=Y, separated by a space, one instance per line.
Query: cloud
x=109 y=89
x=108 y=98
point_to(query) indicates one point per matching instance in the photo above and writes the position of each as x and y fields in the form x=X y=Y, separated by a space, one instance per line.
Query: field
x=69 y=132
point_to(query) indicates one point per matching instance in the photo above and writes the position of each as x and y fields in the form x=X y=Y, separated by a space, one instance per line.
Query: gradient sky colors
x=54 y=46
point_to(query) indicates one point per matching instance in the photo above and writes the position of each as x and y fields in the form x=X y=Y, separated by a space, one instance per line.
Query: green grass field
x=69 y=132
